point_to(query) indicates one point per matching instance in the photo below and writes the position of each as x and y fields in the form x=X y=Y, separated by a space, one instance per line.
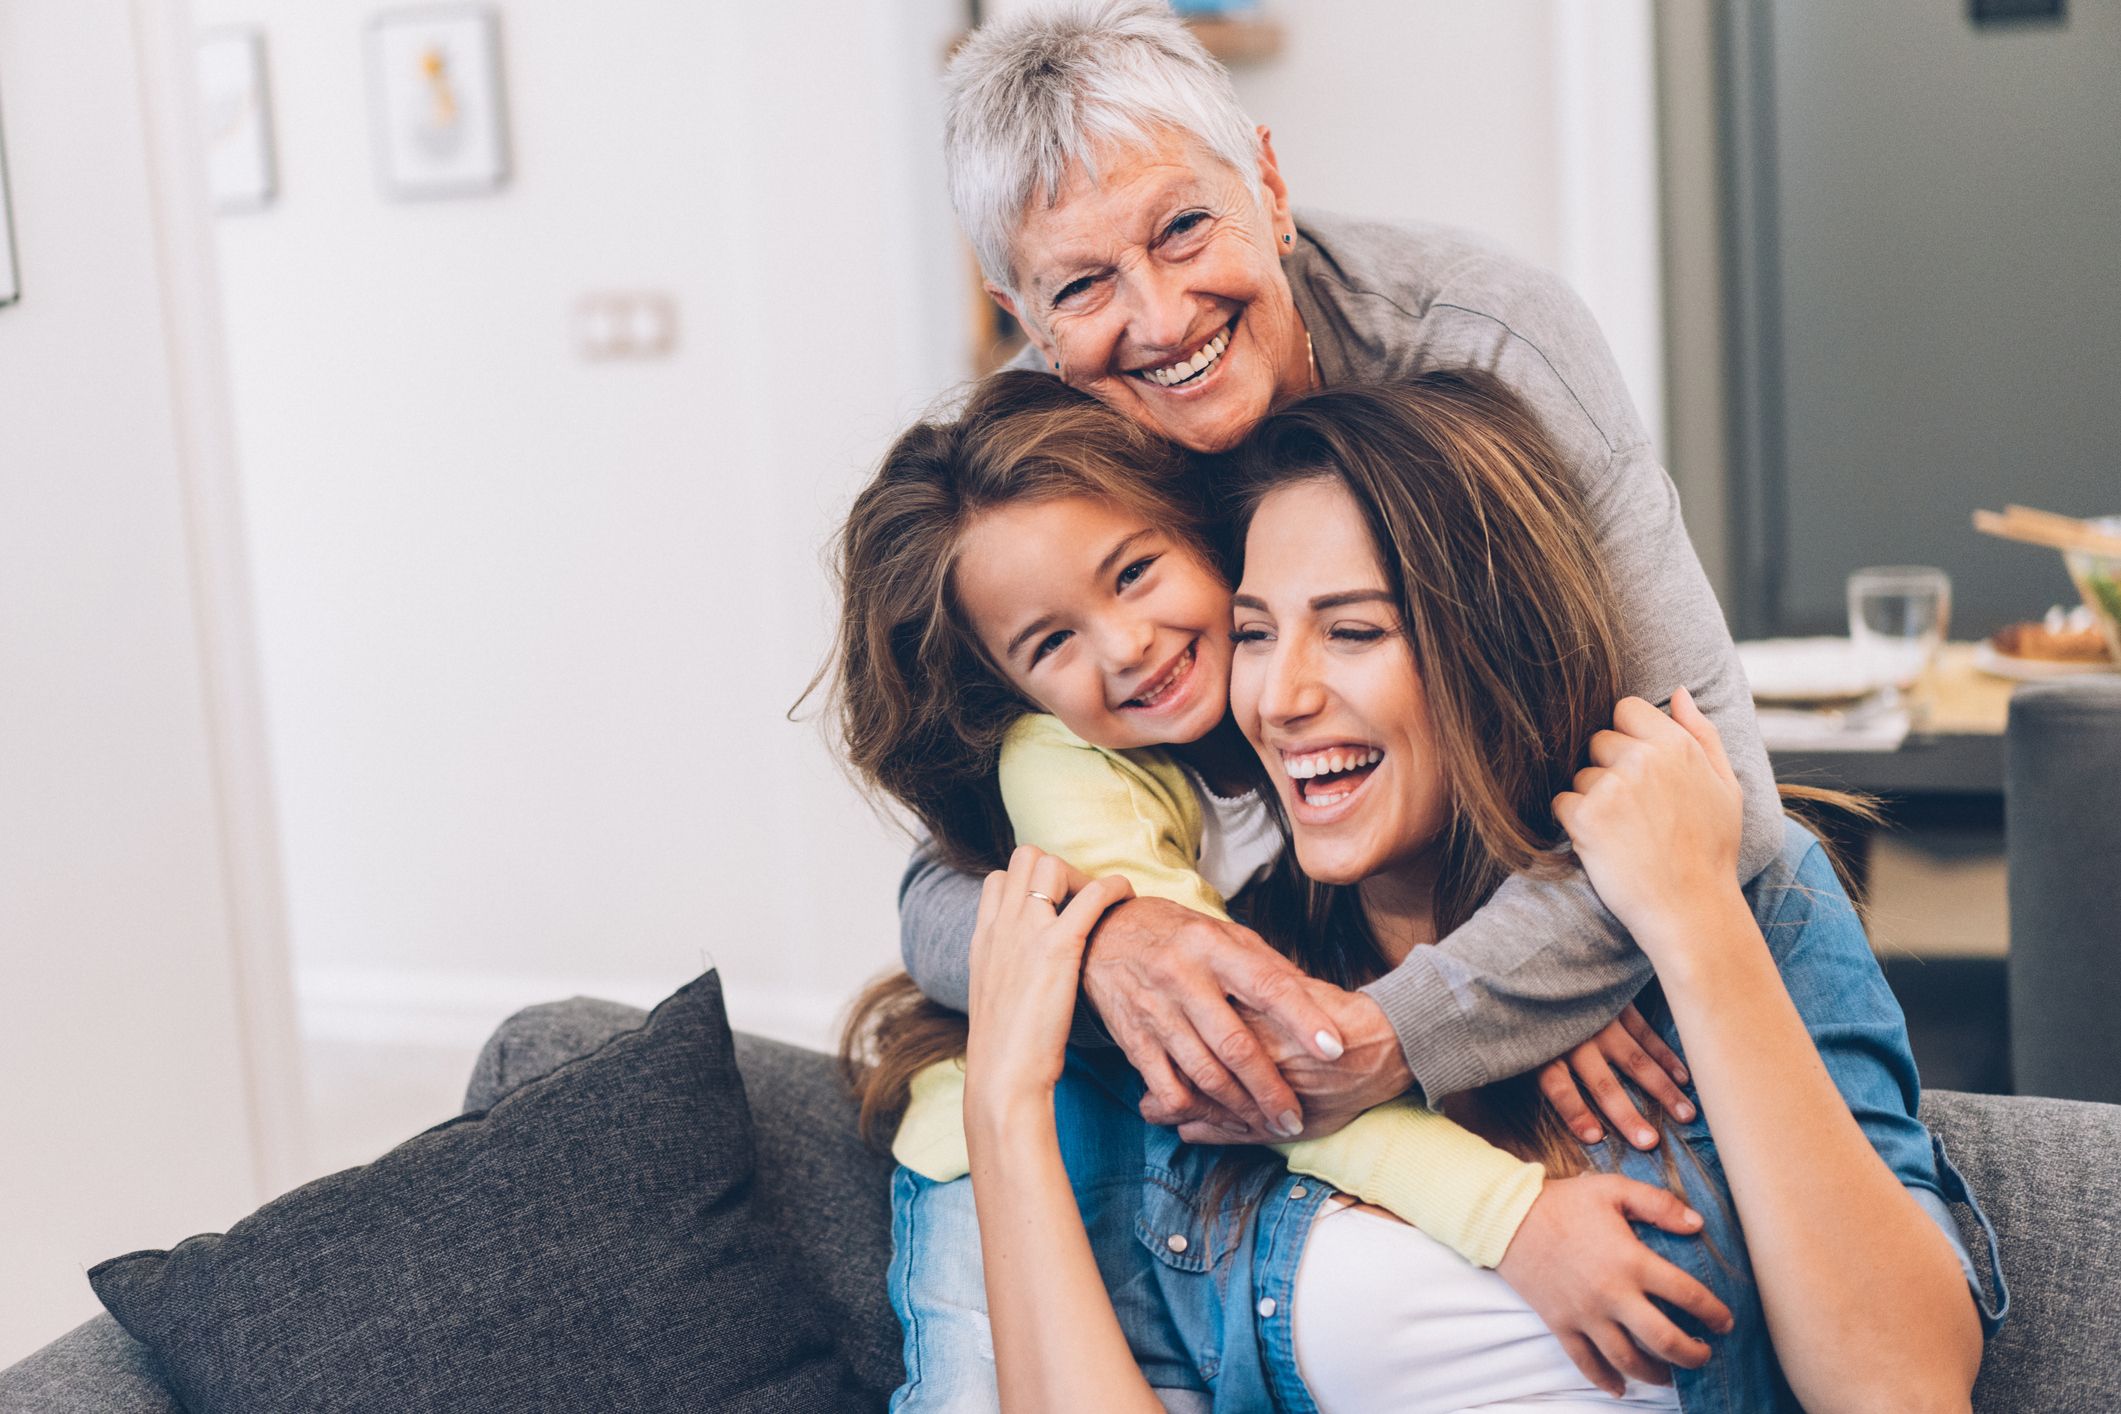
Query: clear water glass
x=1898 y=615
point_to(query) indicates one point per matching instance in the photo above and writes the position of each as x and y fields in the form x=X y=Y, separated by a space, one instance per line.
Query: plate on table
x=1804 y=672
x=2004 y=665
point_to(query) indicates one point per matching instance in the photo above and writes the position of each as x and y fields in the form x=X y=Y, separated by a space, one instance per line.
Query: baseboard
x=458 y=1011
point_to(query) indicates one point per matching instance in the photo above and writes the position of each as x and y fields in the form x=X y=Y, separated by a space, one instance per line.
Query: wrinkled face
x=1105 y=621
x=1157 y=287
x=1324 y=684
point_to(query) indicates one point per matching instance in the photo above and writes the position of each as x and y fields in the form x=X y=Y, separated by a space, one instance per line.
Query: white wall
x=1531 y=121
x=148 y=1084
x=531 y=623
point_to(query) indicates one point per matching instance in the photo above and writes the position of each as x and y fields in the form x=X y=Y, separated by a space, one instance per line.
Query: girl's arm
x=1863 y=1293
x=1057 y=1341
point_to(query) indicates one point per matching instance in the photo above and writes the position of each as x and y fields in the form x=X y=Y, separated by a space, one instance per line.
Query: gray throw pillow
x=589 y=1243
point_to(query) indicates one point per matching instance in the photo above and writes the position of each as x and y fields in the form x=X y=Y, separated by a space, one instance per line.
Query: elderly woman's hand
x=1369 y=1069
x=1178 y=990
x=1655 y=821
x=1027 y=954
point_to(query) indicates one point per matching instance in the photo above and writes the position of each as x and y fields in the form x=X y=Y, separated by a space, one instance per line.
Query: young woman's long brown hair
x=920 y=709
x=1493 y=565
x=1496 y=581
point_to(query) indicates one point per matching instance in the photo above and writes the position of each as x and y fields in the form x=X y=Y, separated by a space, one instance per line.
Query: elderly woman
x=1136 y=223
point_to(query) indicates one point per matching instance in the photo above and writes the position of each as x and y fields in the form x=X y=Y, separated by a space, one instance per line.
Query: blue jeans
x=940 y=1294
x=1210 y=1317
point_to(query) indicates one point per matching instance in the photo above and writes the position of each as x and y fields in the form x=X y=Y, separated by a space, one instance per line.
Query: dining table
x=1952 y=756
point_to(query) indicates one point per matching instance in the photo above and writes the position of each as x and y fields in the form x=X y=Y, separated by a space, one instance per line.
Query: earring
x=1288 y=239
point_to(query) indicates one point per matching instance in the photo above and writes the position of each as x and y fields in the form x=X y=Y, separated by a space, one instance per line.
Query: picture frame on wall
x=235 y=114
x=10 y=273
x=435 y=84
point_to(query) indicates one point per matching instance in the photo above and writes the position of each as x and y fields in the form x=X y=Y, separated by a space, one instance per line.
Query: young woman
x=1034 y=614
x=1421 y=612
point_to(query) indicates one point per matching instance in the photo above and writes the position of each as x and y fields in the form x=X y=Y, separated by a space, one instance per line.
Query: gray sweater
x=1543 y=965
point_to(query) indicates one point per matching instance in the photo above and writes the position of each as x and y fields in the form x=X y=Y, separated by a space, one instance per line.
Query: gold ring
x=1043 y=899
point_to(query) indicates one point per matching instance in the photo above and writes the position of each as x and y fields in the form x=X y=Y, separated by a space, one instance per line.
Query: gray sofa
x=2048 y=1172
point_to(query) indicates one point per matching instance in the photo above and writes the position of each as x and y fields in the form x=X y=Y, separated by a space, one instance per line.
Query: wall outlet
x=622 y=324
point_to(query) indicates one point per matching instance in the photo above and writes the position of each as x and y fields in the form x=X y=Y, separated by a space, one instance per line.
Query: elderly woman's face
x=1158 y=288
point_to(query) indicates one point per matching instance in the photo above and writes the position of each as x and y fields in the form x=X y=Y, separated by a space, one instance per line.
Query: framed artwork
x=237 y=119
x=435 y=82
x=10 y=278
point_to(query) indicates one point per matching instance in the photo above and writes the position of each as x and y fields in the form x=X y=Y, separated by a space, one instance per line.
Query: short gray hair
x=1031 y=94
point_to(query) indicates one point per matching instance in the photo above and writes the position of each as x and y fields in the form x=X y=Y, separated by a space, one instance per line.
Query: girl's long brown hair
x=919 y=708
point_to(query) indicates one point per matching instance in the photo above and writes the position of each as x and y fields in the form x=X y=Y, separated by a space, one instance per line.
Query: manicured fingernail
x=1289 y=1124
x=1684 y=1075
x=1691 y=1218
x=1329 y=1045
x=1684 y=1110
x=1593 y=1134
x=1644 y=1138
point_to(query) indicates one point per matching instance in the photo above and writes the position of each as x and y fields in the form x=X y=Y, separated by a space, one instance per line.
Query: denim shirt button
x=1176 y=1242
x=1266 y=1305
x=1299 y=1193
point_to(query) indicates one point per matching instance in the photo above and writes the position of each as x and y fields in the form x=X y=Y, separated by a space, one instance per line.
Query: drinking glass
x=1898 y=615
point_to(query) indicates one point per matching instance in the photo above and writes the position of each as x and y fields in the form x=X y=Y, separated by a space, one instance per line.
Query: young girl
x=1035 y=650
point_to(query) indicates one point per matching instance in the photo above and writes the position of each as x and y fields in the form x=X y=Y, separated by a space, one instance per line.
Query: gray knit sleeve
x=937 y=908
x=1543 y=966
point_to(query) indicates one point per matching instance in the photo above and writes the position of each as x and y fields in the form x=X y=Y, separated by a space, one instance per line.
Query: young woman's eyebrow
x=1352 y=596
x=1324 y=601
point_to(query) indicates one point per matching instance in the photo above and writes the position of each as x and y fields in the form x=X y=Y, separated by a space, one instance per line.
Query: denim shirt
x=1202 y=1270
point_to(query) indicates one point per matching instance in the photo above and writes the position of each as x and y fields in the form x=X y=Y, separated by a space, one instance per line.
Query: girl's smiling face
x=1112 y=624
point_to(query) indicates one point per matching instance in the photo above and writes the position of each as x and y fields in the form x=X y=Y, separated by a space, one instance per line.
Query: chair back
x=2062 y=823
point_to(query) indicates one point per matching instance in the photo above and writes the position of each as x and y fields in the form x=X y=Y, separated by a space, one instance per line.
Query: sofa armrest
x=539 y=1040
x=95 y=1368
x=2048 y=1174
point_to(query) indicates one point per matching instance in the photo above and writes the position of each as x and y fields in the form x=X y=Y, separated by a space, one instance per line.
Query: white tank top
x=1238 y=838
x=1387 y=1317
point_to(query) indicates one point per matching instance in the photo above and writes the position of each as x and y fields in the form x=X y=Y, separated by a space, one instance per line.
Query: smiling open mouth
x=1167 y=684
x=1328 y=777
x=1190 y=370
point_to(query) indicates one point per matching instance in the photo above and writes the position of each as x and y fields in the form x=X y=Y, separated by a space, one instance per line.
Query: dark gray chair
x=2062 y=819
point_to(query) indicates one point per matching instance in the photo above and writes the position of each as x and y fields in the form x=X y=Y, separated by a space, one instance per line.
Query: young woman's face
x=1104 y=620
x=1324 y=684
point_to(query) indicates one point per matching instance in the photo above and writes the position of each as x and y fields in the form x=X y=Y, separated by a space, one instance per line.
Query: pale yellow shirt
x=1136 y=813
